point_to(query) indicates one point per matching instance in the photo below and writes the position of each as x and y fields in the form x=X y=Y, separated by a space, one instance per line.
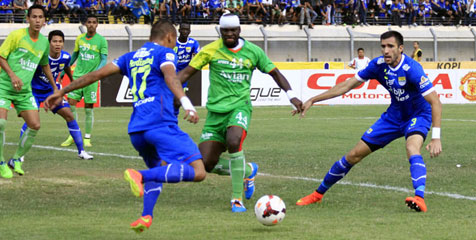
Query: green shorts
x=21 y=101
x=217 y=123
x=89 y=93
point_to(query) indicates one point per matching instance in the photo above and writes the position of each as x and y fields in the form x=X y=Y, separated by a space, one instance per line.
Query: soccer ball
x=270 y=210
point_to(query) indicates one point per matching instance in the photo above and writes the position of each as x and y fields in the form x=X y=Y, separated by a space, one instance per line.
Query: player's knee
x=34 y=126
x=200 y=175
x=353 y=157
x=233 y=143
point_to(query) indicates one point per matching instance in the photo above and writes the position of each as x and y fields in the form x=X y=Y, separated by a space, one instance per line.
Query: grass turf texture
x=63 y=197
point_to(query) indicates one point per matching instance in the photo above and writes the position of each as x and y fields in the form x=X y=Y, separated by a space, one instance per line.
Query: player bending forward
x=153 y=128
x=415 y=106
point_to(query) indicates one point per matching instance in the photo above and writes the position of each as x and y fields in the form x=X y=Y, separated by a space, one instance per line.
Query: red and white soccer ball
x=270 y=210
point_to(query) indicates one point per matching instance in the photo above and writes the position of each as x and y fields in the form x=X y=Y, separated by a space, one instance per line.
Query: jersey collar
x=399 y=64
x=183 y=42
x=55 y=59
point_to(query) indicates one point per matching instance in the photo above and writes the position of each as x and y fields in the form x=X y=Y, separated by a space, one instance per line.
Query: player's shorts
x=217 y=124
x=385 y=130
x=169 y=142
x=41 y=96
x=21 y=101
x=89 y=93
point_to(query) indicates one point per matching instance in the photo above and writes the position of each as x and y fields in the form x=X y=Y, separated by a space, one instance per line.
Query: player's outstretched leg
x=237 y=167
x=75 y=132
x=418 y=173
x=336 y=173
x=70 y=139
x=152 y=191
x=24 y=145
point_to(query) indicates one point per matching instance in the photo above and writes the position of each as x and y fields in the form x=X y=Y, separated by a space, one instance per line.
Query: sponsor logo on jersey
x=406 y=67
x=424 y=82
x=170 y=56
x=188 y=49
x=389 y=81
x=468 y=86
x=206 y=136
x=142 y=53
x=380 y=60
x=23 y=50
x=402 y=81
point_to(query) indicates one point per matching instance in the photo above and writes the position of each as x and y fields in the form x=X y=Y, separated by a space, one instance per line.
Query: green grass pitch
x=63 y=197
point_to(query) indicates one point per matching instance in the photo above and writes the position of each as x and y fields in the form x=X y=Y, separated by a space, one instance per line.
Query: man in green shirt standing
x=232 y=61
x=91 y=51
x=20 y=55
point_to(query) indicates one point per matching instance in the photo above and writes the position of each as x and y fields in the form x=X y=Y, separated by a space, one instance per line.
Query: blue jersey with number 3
x=407 y=84
x=153 y=100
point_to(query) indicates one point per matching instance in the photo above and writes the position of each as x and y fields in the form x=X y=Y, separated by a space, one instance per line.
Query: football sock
x=237 y=167
x=26 y=141
x=73 y=110
x=336 y=173
x=171 y=173
x=223 y=167
x=152 y=191
x=418 y=172
x=75 y=132
x=2 y=137
x=89 y=121
x=23 y=128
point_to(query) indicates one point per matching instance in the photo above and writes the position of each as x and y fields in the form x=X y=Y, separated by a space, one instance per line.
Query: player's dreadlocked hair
x=160 y=29
x=398 y=37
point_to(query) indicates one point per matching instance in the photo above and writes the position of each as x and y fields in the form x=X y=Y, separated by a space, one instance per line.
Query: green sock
x=73 y=110
x=26 y=141
x=89 y=122
x=237 y=165
x=223 y=167
x=3 y=122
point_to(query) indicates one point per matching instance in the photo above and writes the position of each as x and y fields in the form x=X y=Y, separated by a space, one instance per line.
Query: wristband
x=186 y=104
x=290 y=93
x=435 y=133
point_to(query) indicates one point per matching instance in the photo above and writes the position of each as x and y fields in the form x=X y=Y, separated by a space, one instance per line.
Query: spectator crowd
x=266 y=12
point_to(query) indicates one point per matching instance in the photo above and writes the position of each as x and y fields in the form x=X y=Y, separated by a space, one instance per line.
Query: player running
x=90 y=49
x=186 y=48
x=232 y=61
x=414 y=108
x=153 y=128
x=41 y=88
x=20 y=54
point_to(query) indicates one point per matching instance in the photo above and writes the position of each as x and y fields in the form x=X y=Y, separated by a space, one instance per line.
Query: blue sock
x=152 y=191
x=336 y=173
x=171 y=173
x=76 y=134
x=418 y=172
x=23 y=128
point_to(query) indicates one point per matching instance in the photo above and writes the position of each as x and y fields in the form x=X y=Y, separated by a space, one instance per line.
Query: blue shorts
x=385 y=130
x=40 y=96
x=167 y=143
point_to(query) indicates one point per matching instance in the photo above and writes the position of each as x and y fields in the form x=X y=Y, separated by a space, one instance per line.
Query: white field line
x=295 y=117
x=368 y=185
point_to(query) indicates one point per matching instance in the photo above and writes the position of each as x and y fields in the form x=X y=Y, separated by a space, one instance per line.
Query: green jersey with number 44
x=230 y=73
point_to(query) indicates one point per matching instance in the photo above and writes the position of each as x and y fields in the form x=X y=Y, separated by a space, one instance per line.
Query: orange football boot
x=314 y=197
x=417 y=203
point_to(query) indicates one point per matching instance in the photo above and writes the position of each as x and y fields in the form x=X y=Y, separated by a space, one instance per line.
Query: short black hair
x=184 y=23
x=36 y=6
x=160 y=29
x=360 y=49
x=92 y=16
x=398 y=36
x=55 y=33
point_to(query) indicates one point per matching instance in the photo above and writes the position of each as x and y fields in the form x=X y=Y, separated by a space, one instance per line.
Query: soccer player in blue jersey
x=41 y=88
x=414 y=108
x=185 y=48
x=169 y=153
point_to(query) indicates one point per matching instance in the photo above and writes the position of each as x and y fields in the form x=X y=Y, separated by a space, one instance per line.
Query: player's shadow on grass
x=269 y=229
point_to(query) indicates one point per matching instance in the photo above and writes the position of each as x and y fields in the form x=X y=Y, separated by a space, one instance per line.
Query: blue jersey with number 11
x=153 y=100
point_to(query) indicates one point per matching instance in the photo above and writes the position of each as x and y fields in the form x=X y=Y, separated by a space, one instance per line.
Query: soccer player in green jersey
x=232 y=61
x=90 y=49
x=20 y=55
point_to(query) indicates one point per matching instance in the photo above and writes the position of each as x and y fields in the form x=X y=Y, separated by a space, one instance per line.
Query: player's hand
x=52 y=101
x=305 y=107
x=17 y=83
x=434 y=147
x=297 y=105
x=191 y=116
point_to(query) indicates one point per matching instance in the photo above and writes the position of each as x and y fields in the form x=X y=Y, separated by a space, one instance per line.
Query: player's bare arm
x=284 y=84
x=16 y=81
x=47 y=71
x=176 y=87
x=186 y=73
x=55 y=99
x=434 y=147
x=67 y=71
x=335 y=91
